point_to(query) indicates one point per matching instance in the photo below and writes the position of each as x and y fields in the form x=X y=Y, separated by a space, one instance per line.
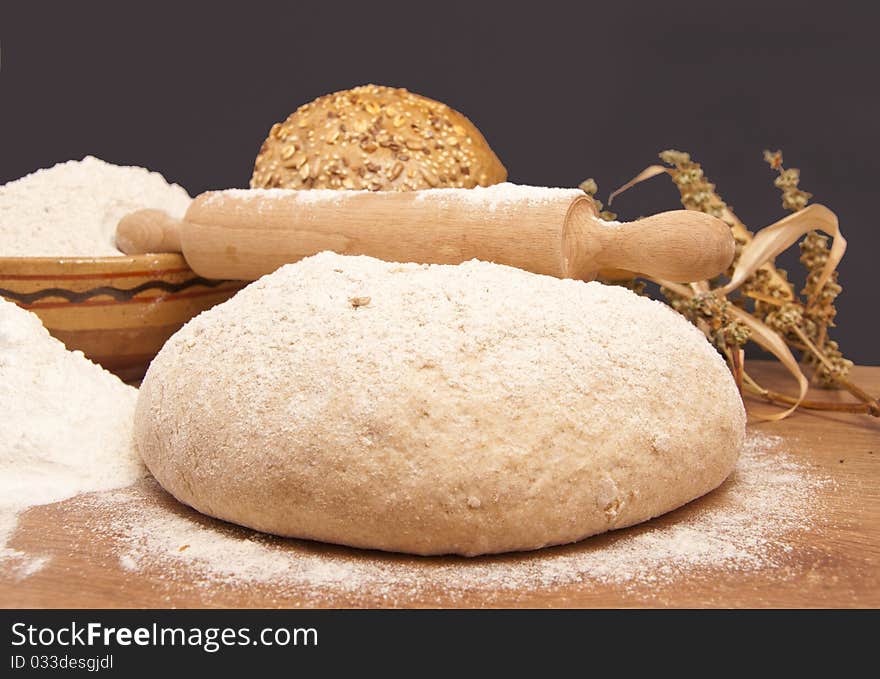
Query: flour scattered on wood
x=60 y=441
x=66 y=427
x=72 y=209
x=746 y=525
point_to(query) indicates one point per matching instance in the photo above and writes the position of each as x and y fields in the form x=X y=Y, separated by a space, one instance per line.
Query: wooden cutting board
x=835 y=564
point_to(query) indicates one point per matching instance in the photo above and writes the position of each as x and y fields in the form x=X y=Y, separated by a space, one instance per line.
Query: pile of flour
x=72 y=209
x=66 y=425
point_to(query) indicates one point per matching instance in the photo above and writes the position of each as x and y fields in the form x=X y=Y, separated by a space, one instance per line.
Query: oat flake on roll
x=433 y=409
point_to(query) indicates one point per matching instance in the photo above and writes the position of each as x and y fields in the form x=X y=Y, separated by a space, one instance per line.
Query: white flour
x=65 y=425
x=499 y=195
x=488 y=197
x=80 y=443
x=746 y=525
x=72 y=209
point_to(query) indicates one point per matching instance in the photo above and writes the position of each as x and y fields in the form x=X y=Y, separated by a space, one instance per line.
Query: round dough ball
x=377 y=138
x=434 y=409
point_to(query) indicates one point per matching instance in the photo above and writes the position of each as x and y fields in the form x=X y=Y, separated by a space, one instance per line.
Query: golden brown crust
x=376 y=138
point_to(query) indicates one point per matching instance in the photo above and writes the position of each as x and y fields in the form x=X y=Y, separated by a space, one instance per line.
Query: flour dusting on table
x=744 y=526
x=747 y=525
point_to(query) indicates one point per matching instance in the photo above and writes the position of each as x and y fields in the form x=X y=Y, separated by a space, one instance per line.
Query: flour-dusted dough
x=437 y=409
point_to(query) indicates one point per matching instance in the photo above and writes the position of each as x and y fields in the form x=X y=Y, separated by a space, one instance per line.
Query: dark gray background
x=562 y=91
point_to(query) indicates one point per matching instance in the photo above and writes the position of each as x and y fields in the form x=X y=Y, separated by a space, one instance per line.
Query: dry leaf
x=647 y=173
x=770 y=340
x=757 y=254
x=774 y=239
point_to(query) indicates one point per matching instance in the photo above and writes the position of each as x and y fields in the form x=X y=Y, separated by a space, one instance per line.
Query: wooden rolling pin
x=240 y=234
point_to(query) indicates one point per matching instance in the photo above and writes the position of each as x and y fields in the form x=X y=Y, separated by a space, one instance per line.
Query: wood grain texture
x=230 y=235
x=835 y=564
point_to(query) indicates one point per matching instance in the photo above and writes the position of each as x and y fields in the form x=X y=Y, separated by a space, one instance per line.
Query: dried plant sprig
x=698 y=193
x=760 y=333
x=793 y=198
x=758 y=302
x=830 y=368
x=590 y=187
x=633 y=284
x=712 y=314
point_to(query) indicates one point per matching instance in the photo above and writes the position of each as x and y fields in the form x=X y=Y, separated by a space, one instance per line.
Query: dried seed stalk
x=758 y=302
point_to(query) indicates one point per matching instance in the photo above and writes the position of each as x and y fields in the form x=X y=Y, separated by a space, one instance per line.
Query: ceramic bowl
x=118 y=311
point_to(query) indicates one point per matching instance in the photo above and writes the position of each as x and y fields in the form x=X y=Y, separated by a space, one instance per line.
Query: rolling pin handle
x=681 y=246
x=148 y=231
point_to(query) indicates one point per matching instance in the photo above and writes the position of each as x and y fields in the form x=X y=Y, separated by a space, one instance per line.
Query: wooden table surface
x=837 y=566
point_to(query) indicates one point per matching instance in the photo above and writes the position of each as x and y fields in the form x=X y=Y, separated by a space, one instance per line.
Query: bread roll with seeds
x=376 y=138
